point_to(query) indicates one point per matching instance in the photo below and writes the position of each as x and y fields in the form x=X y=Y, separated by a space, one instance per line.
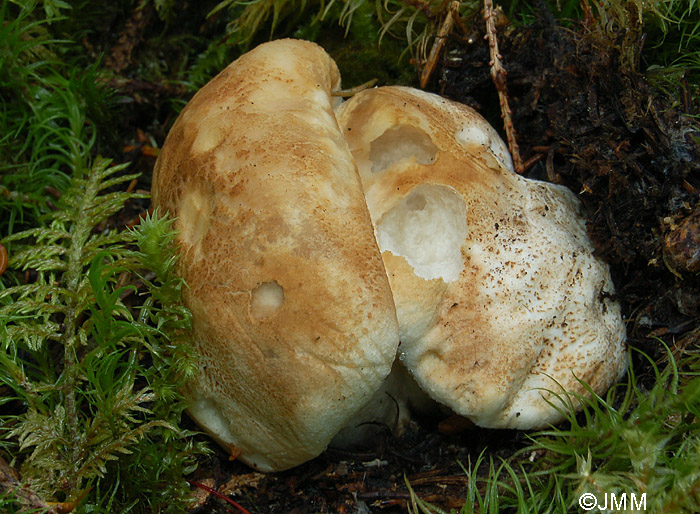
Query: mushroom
x=293 y=317
x=312 y=240
x=500 y=298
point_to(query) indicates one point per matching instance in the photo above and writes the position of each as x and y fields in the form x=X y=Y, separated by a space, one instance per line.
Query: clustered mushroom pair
x=345 y=260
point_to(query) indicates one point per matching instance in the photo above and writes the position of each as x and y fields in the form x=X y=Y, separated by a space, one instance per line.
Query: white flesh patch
x=399 y=143
x=265 y=300
x=195 y=214
x=484 y=135
x=427 y=228
x=207 y=412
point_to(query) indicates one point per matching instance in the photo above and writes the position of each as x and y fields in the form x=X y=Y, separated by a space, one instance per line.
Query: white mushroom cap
x=293 y=316
x=499 y=295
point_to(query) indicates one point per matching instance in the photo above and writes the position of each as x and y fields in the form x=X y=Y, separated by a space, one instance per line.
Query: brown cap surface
x=293 y=315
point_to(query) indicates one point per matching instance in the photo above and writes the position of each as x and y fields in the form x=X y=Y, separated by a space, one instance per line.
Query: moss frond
x=48 y=109
x=95 y=376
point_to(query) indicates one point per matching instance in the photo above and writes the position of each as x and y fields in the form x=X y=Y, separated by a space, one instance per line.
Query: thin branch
x=218 y=495
x=347 y=93
x=498 y=74
x=439 y=42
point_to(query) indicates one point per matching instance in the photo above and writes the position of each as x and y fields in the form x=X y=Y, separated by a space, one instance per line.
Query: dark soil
x=587 y=118
x=368 y=481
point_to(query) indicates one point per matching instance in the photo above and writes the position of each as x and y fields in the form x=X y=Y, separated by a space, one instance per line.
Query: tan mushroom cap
x=498 y=292
x=293 y=315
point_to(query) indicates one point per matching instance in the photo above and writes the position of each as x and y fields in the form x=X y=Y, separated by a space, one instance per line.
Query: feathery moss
x=93 y=379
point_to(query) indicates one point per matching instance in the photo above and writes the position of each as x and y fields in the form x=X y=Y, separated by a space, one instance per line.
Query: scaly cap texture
x=498 y=292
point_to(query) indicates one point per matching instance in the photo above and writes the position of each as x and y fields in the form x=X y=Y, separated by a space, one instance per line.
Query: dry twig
x=498 y=74
x=439 y=42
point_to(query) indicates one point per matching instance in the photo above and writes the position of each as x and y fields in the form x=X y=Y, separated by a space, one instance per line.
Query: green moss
x=94 y=384
x=360 y=52
x=49 y=109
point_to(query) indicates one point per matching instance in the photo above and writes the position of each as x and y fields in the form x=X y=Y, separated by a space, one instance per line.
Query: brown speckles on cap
x=274 y=232
x=294 y=318
x=526 y=310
